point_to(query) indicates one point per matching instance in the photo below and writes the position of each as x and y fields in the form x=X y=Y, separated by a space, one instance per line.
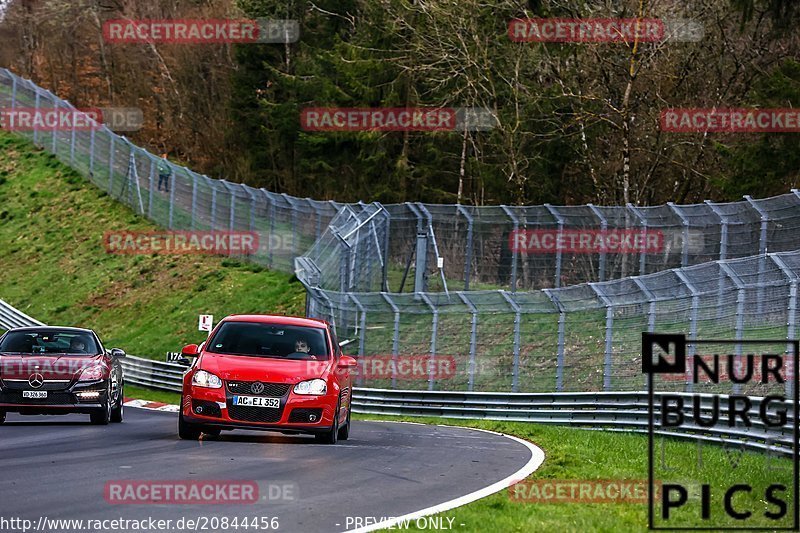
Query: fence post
x=517 y=323
x=271 y=223
x=171 y=197
x=562 y=316
x=150 y=192
x=692 y=325
x=54 y=147
x=395 y=337
x=723 y=250
x=361 y=334
x=468 y=258
x=651 y=308
x=791 y=316
x=72 y=141
x=473 y=339
x=601 y=268
x=559 y=252
x=514 y=252
x=434 y=335
x=37 y=106
x=685 y=224
x=642 y=255
x=762 y=250
x=608 y=364
x=13 y=92
x=110 y=163
x=294 y=223
x=739 y=327
x=213 y=204
x=386 y=233
x=421 y=254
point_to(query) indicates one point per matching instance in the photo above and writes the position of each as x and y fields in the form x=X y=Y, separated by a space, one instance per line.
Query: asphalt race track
x=58 y=467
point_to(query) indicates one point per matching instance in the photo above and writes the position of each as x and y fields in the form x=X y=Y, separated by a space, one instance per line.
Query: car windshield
x=49 y=342
x=270 y=340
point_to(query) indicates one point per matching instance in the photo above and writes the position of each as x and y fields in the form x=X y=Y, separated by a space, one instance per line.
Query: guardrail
x=608 y=411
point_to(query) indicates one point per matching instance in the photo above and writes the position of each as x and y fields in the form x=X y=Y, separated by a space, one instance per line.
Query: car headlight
x=202 y=378
x=92 y=373
x=313 y=386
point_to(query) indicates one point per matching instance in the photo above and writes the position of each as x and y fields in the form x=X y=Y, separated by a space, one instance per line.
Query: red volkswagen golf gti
x=268 y=372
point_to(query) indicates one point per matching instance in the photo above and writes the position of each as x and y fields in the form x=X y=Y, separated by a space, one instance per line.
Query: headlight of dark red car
x=93 y=373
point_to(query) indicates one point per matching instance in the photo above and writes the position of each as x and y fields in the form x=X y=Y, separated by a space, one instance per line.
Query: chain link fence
x=581 y=338
x=465 y=248
x=437 y=297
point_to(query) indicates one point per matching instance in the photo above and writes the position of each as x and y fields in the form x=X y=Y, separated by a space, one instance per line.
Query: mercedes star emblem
x=36 y=380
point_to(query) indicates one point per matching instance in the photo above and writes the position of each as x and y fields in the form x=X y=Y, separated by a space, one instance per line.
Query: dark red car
x=268 y=372
x=47 y=370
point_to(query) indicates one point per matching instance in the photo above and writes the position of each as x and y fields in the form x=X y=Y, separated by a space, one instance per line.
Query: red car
x=268 y=372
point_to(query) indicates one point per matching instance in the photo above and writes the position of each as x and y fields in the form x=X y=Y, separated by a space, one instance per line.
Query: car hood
x=244 y=368
x=50 y=367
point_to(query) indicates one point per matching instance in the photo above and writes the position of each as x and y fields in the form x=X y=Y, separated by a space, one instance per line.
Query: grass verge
x=56 y=268
x=578 y=454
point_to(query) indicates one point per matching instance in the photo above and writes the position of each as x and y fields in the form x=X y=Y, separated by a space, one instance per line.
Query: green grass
x=140 y=393
x=579 y=454
x=56 y=269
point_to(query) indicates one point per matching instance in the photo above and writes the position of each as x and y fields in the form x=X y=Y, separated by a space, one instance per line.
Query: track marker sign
x=712 y=387
x=206 y=323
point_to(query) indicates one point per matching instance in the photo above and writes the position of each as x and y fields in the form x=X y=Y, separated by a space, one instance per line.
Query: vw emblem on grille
x=36 y=380
x=257 y=387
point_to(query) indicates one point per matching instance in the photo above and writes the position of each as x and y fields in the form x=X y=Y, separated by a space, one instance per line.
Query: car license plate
x=257 y=401
x=37 y=394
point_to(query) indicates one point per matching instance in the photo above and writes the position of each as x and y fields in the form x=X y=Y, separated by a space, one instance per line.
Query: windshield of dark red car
x=51 y=341
x=270 y=340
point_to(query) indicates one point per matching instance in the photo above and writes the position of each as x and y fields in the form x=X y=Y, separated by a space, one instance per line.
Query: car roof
x=51 y=328
x=278 y=320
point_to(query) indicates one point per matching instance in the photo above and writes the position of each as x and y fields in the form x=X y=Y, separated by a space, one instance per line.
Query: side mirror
x=190 y=350
x=347 y=362
x=117 y=353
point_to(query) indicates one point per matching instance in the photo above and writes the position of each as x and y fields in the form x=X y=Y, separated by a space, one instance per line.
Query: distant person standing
x=164 y=173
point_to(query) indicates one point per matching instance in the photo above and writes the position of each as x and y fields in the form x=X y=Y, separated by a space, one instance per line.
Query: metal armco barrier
x=614 y=411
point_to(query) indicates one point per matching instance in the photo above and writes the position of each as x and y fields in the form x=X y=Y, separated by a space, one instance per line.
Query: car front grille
x=53 y=398
x=24 y=385
x=254 y=414
x=273 y=390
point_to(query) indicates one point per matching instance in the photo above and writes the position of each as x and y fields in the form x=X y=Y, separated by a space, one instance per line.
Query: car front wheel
x=344 y=431
x=102 y=416
x=332 y=435
x=186 y=430
x=117 y=413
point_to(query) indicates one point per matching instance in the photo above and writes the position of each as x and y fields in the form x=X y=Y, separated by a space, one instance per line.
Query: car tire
x=102 y=416
x=187 y=431
x=332 y=435
x=344 y=431
x=117 y=413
